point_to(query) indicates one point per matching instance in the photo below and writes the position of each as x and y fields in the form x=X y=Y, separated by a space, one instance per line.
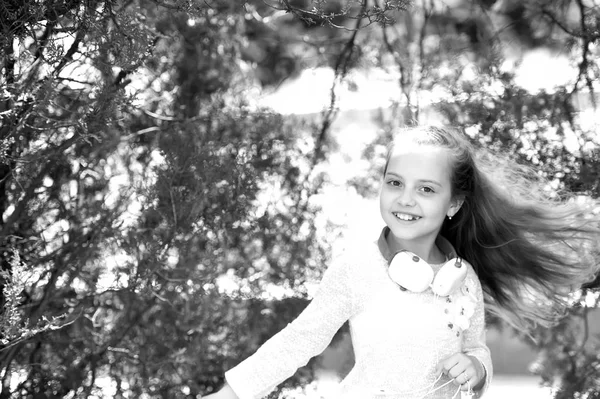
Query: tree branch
x=81 y=31
x=341 y=70
x=584 y=64
x=562 y=26
x=9 y=62
x=404 y=79
x=372 y=15
x=30 y=191
x=43 y=41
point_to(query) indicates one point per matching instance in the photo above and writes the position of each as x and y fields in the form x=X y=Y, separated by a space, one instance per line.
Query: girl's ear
x=455 y=205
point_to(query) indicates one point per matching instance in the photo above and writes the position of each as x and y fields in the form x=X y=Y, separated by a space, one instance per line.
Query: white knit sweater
x=398 y=336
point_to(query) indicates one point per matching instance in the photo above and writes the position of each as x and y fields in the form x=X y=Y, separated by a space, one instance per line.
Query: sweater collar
x=443 y=244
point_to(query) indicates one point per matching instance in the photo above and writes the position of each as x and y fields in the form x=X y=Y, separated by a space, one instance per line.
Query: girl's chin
x=401 y=233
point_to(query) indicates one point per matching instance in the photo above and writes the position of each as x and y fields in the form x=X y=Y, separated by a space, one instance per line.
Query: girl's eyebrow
x=393 y=174
x=435 y=182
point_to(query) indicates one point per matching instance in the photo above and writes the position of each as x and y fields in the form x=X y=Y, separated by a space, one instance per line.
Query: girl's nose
x=406 y=198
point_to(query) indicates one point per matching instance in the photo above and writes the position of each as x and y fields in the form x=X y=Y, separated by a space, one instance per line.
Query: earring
x=449 y=217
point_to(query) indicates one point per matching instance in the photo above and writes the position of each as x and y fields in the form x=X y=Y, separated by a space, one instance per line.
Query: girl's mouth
x=405 y=216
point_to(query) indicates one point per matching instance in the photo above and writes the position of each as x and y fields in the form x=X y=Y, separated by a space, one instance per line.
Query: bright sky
x=310 y=92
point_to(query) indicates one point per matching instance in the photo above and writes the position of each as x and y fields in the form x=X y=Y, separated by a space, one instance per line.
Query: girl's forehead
x=417 y=150
x=421 y=160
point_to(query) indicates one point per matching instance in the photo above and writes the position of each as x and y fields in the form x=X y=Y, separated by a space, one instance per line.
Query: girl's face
x=416 y=194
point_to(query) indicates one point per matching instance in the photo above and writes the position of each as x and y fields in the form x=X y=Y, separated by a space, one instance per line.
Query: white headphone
x=414 y=274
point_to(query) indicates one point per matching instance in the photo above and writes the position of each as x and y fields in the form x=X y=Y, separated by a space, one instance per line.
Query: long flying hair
x=530 y=249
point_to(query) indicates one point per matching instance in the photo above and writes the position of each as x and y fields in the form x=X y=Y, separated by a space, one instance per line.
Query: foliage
x=13 y=329
x=334 y=13
x=136 y=174
x=567 y=359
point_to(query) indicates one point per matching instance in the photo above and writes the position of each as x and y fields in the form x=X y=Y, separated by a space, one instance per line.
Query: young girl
x=458 y=230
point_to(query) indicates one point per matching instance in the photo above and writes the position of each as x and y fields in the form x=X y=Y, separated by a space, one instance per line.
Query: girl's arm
x=474 y=341
x=224 y=393
x=307 y=336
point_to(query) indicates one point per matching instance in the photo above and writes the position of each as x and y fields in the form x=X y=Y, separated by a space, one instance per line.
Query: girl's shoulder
x=357 y=258
x=472 y=280
x=356 y=251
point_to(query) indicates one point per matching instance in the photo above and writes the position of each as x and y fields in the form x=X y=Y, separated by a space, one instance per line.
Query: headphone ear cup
x=450 y=277
x=410 y=272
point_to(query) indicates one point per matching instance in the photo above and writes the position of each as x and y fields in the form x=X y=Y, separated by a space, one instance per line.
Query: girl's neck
x=425 y=249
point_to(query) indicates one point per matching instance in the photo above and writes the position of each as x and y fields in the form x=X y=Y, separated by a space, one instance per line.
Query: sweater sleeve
x=474 y=338
x=307 y=336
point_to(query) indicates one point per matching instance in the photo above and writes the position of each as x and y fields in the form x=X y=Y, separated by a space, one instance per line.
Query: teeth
x=404 y=216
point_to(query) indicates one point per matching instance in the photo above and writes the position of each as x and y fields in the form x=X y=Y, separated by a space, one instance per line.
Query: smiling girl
x=458 y=232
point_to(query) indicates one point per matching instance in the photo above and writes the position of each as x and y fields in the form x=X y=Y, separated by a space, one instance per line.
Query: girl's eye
x=395 y=183
x=427 y=190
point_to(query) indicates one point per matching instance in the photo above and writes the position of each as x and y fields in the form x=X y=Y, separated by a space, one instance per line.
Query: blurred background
x=176 y=175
